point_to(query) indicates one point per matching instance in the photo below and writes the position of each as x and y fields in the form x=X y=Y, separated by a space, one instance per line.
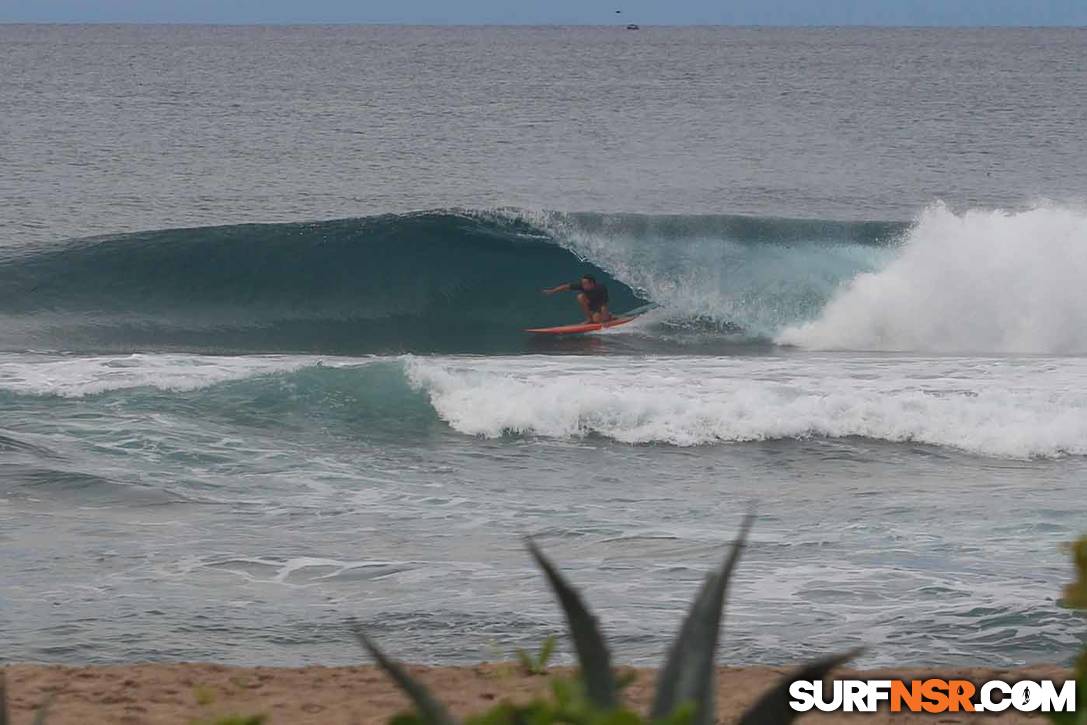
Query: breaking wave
x=980 y=281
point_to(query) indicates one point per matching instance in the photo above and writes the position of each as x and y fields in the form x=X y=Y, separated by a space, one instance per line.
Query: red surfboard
x=581 y=327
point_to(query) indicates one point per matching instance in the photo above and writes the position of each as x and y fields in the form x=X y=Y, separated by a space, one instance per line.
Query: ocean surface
x=262 y=366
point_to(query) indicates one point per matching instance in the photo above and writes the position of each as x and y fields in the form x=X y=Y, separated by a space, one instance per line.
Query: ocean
x=262 y=367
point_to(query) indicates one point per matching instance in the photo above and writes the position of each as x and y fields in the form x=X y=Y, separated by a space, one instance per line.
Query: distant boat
x=632 y=26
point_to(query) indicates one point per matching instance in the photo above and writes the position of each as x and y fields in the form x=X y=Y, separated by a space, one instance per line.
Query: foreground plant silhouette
x=1075 y=597
x=685 y=684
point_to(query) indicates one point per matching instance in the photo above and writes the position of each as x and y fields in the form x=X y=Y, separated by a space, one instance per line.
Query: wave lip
x=982 y=281
x=987 y=408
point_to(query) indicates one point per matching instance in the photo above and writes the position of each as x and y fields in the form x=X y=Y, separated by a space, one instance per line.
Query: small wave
x=366 y=395
x=76 y=377
x=13 y=444
x=32 y=483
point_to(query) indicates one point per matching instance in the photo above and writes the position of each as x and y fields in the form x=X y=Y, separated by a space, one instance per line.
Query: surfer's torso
x=597 y=297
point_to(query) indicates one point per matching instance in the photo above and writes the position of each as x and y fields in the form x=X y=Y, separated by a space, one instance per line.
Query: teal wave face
x=437 y=281
x=441 y=281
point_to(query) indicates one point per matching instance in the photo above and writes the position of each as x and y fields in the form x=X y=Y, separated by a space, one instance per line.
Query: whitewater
x=999 y=407
x=991 y=407
x=979 y=281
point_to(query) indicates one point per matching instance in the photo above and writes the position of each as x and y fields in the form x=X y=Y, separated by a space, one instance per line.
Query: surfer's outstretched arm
x=560 y=288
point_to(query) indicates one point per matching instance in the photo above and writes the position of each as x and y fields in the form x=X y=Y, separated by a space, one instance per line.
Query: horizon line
x=618 y=25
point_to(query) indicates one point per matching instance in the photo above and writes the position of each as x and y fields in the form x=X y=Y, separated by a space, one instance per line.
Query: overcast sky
x=670 y=12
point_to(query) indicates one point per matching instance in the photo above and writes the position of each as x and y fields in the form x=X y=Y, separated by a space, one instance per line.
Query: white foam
x=982 y=281
x=77 y=376
x=996 y=407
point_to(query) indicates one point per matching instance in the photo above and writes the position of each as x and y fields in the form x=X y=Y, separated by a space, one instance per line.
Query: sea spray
x=980 y=281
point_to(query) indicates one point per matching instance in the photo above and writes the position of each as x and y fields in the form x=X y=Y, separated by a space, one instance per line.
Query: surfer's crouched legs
x=601 y=315
x=583 y=300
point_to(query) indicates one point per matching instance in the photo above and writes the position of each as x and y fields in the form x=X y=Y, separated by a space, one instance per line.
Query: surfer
x=591 y=295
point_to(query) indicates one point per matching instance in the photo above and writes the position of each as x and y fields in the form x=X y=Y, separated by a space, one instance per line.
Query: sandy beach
x=186 y=693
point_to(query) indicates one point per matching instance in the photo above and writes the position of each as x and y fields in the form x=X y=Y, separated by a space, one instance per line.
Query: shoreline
x=158 y=693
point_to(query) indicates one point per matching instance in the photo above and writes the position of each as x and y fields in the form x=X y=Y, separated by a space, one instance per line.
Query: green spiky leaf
x=1075 y=594
x=547 y=650
x=526 y=662
x=429 y=708
x=774 y=705
x=592 y=652
x=688 y=673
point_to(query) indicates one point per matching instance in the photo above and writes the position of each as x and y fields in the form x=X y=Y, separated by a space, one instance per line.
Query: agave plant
x=685 y=685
